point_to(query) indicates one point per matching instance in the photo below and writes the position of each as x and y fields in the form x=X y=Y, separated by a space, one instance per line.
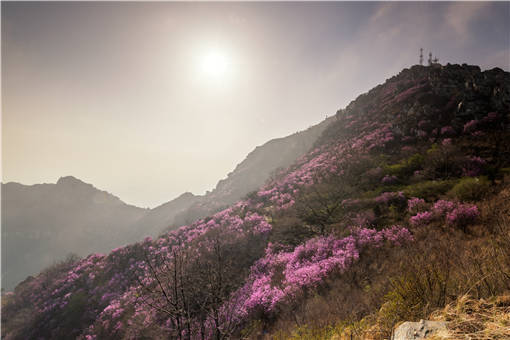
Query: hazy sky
x=148 y=100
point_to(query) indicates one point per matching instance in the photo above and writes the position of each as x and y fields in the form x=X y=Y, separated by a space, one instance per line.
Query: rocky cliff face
x=421 y=99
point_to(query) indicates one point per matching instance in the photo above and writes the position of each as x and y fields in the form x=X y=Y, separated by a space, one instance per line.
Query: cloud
x=460 y=15
x=382 y=12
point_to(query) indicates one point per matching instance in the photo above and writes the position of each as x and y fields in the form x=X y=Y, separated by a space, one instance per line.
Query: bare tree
x=194 y=285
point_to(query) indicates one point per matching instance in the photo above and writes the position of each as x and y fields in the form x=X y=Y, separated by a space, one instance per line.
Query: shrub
x=463 y=215
x=471 y=126
x=415 y=205
x=443 y=161
x=473 y=166
x=429 y=190
x=290 y=230
x=407 y=167
x=422 y=219
x=442 y=207
x=389 y=179
x=470 y=189
x=447 y=130
x=397 y=200
x=364 y=218
x=454 y=213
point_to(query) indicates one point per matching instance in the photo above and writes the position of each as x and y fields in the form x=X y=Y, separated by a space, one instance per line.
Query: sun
x=214 y=63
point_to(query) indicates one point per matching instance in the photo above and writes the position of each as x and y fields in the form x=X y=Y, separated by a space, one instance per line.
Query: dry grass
x=468 y=318
x=436 y=275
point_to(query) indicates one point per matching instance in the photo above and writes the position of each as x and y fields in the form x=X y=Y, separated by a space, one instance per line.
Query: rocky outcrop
x=418 y=330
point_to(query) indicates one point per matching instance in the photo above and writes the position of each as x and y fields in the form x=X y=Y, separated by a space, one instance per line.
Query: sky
x=150 y=100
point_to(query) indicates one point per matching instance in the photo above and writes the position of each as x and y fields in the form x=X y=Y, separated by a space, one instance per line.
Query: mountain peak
x=187 y=194
x=70 y=180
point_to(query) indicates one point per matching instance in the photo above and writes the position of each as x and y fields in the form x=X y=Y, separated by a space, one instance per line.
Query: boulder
x=418 y=330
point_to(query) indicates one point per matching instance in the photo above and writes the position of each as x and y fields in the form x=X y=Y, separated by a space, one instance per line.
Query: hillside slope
x=253 y=172
x=400 y=208
x=44 y=223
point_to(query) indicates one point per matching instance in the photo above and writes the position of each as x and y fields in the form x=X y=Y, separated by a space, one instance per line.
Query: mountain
x=397 y=212
x=247 y=176
x=44 y=223
x=257 y=167
x=163 y=216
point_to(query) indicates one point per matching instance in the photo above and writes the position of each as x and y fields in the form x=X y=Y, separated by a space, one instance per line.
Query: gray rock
x=418 y=330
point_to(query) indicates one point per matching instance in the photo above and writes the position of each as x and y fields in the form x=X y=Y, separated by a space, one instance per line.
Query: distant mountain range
x=44 y=223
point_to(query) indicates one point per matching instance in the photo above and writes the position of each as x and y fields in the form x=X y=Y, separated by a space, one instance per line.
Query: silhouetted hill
x=160 y=217
x=43 y=223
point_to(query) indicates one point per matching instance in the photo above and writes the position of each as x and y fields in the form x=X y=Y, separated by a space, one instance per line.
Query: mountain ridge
x=29 y=203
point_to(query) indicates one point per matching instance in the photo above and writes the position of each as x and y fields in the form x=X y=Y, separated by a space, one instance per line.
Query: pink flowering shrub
x=409 y=93
x=387 y=198
x=463 y=215
x=478 y=134
x=374 y=175
x=453 y=213
x=389 y=179
x=446 y=142
x=442 y=207
x=422 y=218
x=321 y=164
x=408 y=149
x=425 y=124
x=471 y=126
x=475 y=126
x=415 y=205
x=364 y=219
x=473 y=166
x=447 y=130
x=280 y=276
x=491 y=117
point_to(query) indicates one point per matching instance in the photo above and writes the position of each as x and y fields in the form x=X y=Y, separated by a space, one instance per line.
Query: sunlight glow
x=214 y=63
